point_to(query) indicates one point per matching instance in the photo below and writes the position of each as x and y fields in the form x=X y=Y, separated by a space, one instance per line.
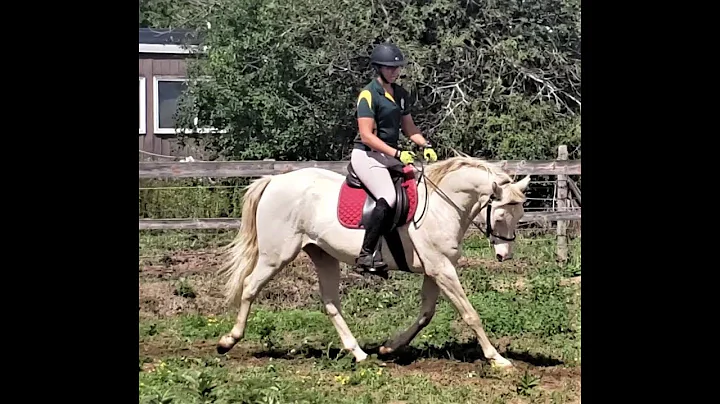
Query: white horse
x=295 y=211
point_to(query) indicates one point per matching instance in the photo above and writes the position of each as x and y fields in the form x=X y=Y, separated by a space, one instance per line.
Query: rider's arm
x=366 y=124
x=408 y=125
x=412 y=131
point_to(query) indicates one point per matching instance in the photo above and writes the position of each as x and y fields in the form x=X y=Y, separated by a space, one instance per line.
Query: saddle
x=356 y=203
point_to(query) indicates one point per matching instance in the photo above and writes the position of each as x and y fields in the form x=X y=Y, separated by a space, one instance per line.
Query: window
x=143 y=105
x=167 y=90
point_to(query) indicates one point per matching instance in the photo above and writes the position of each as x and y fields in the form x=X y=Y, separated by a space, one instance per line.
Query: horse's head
x=487 y=192
x=502 y=214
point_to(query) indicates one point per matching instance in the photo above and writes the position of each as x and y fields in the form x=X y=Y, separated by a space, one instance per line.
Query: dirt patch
x=448 y=372
x=184 y=263
x=559 y=378
x=442 y=371
x=179 y=264
x=294 y=287
x=196 y=271
x=160 y=348
x=576 y=280
x=160 y=298
x=493 y=266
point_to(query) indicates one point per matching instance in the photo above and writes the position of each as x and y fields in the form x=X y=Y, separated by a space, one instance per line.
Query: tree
x=497 y=80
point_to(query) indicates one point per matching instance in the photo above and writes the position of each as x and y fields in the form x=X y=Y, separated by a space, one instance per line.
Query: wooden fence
x=225 y=169
x=568 y=208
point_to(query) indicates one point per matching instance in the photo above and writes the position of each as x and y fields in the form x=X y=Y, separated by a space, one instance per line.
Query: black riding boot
x=379 y=221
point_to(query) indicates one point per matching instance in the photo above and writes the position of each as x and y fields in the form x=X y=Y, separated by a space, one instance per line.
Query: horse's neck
x=453 y=217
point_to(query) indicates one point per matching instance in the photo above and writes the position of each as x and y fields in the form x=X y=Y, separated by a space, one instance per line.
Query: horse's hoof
x=225 y=344
x=360 y=356
x=385 y=350
x=501 y=364
x=379 y=272
x=370 y=271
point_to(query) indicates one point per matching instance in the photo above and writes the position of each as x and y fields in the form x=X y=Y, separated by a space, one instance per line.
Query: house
x=162 y=75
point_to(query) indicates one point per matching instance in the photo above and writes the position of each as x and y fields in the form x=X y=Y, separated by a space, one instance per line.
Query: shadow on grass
x=464 y=352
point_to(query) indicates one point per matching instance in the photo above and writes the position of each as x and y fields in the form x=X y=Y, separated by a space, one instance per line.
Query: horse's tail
x=241 y=255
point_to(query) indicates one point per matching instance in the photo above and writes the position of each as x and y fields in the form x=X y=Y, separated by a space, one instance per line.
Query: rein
x=488 y=231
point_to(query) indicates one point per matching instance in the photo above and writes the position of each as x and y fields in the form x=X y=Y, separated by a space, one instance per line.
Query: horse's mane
x=437 y=171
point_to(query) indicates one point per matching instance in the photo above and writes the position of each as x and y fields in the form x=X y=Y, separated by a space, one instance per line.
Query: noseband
x=488 y=223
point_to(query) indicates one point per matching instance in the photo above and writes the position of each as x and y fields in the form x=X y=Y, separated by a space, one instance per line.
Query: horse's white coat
x=285 y=213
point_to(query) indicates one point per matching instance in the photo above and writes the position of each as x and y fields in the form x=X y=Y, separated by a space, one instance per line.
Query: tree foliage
x=176 y=13
x=496 y=79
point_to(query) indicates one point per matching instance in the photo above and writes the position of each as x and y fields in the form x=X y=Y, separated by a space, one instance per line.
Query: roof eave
x=170 y=48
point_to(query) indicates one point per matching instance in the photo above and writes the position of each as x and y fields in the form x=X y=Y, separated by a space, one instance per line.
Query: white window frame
x=143 y=106
x=156 y=110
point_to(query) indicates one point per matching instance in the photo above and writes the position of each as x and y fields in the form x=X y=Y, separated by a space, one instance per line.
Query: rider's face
x=391 y=73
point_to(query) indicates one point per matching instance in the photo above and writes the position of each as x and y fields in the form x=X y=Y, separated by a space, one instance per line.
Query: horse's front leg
x=446 y=277
x=429 y=296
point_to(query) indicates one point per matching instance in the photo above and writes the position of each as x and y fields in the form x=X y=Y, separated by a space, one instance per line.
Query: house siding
x=151 y=65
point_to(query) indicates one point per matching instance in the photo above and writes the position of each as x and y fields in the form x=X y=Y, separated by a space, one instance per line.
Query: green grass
x=292 y=355
x=180 y=198
x=218 y=380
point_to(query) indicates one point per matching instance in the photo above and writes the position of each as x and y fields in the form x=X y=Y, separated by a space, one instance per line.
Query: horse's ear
x=497 y=190
x=523 y=183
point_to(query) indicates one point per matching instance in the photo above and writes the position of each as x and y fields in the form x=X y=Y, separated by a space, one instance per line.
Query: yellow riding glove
x=407 y=157
x=430 y=154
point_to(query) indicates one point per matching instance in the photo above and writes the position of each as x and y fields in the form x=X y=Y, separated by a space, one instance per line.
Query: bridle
x=488 y=226
x=488 y=231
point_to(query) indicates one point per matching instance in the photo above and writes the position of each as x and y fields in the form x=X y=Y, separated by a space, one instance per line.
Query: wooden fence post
x=562 y=202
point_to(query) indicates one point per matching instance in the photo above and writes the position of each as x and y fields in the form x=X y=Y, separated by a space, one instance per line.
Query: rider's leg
x=376 y=178
x=379 y=219
x=371 y=168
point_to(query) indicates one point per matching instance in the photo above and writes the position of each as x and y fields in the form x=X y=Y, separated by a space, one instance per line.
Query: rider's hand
x=407 y=157
x=429 y=154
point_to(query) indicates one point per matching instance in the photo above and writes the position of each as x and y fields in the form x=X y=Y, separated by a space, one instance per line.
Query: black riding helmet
x=386 y=54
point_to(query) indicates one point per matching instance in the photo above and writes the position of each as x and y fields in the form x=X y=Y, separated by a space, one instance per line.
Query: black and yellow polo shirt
x=387 y=110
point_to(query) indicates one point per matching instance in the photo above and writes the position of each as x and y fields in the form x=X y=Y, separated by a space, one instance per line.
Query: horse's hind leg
x=270 y=262
x=328 y=270
x=428 y=296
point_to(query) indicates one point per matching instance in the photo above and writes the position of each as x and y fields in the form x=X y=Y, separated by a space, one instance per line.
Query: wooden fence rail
x=226 y=169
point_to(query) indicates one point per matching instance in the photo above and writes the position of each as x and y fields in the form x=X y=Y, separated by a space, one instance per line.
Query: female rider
x=383 y=107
